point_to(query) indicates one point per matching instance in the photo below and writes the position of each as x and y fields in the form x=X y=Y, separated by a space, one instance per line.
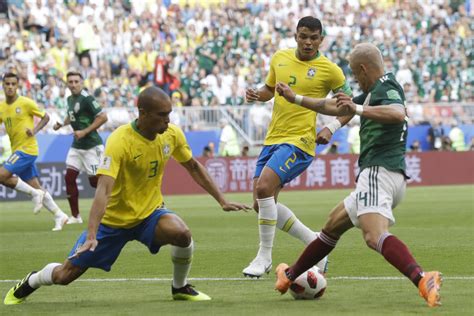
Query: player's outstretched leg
x=429 y=287
x=19 y=293
x=289 y=223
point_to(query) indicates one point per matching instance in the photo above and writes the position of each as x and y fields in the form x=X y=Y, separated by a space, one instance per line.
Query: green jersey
x=82 y=110
x=383 y=144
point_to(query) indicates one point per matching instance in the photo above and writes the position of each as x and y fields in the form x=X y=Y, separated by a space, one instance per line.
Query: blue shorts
x=23 y=165
x=112 y=240
x=288 y=161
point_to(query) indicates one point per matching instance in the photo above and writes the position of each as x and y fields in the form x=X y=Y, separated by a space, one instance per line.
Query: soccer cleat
x=188 y=293
x=19 y=293
x=37 y=199
x=429 y=287
x=75 y=220
x=282 y=283
x=257 y=268
x=60 y=219
x=323 y=265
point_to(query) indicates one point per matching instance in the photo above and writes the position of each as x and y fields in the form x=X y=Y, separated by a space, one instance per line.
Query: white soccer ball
x=309 y=286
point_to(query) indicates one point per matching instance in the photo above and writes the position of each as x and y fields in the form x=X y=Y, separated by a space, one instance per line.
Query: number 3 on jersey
x=153 y=168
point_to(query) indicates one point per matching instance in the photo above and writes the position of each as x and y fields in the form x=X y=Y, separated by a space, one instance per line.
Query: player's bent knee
x=183 y=238
x=371 y=239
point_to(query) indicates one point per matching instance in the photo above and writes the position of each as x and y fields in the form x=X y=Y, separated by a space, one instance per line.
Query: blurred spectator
x=228 y=141
x=208 y=150
x=456 y=135
x=353 y=137
x=446 y=144
x=435 y=135
x=245 y=151
x=415 y=146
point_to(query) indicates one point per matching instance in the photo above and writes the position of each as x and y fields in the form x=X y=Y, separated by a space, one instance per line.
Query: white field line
x=349 y=278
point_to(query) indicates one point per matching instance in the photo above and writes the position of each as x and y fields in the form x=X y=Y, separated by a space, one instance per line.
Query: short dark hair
x=10 y=75
x=311 y=23
x=74 y=73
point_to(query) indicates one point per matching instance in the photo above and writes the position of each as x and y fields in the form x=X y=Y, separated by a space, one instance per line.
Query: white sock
x=50 y=205
x=267 y=220
x=182 y=258
x=43 y=277
x=288 y=222
x=22 y=186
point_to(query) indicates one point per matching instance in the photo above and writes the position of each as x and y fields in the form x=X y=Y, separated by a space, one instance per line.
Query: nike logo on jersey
x=282 y=65
x=137 y=156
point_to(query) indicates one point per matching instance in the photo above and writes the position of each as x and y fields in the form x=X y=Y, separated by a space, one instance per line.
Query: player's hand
x=79 y=134
x=89 y=245
x=30 y=132
x=57 y=126
x=252 y=95
x=285 y=91
x=324 y=136
x=344 y=104
x=234 y=206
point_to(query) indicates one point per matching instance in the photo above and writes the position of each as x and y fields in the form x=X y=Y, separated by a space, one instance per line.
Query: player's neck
x=141 y=131
x=12 y=99
x=316 y=55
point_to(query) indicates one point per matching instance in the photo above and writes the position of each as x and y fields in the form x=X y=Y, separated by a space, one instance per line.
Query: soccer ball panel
x=309 y=285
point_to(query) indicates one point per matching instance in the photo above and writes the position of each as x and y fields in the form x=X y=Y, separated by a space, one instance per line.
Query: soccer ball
x=308 y=286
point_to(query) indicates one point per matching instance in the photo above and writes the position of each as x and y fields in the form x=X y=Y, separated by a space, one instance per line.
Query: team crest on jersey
x=311 y=72
x=18 y=110
x=166 y=150
x=77 y=106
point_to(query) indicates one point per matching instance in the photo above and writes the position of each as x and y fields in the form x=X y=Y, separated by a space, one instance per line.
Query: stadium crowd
x=207 y=55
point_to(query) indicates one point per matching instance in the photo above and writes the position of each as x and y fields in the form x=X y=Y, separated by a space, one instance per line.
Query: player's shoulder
x=86 y=95
x=25 y=101
x=174 y=130
x=288 y=53
x=325 y=60
x=22 y=99
x=389 y=82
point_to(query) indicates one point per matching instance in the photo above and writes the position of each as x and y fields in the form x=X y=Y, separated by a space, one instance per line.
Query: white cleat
x=323 y=265
x=59 y=221
x=37 y=199
x=257 y=268
x=74 y=220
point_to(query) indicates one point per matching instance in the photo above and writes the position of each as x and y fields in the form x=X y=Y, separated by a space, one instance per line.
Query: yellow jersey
x=137 y=165
x=291 y=123
x=17 y=117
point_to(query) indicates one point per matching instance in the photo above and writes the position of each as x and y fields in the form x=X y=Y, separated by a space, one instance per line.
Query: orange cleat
x=429 y=287
x=282 y=283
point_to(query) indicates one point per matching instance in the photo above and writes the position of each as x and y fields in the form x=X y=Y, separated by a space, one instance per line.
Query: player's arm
x=102 y=194
x=58 y=125
x=202 y=177
x=42 y=123
x=323 y=106
x=99 y=120
x=262 y=94
x=385 y=114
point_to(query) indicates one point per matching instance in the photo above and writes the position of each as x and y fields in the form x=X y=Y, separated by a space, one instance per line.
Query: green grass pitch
x=435 y=222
